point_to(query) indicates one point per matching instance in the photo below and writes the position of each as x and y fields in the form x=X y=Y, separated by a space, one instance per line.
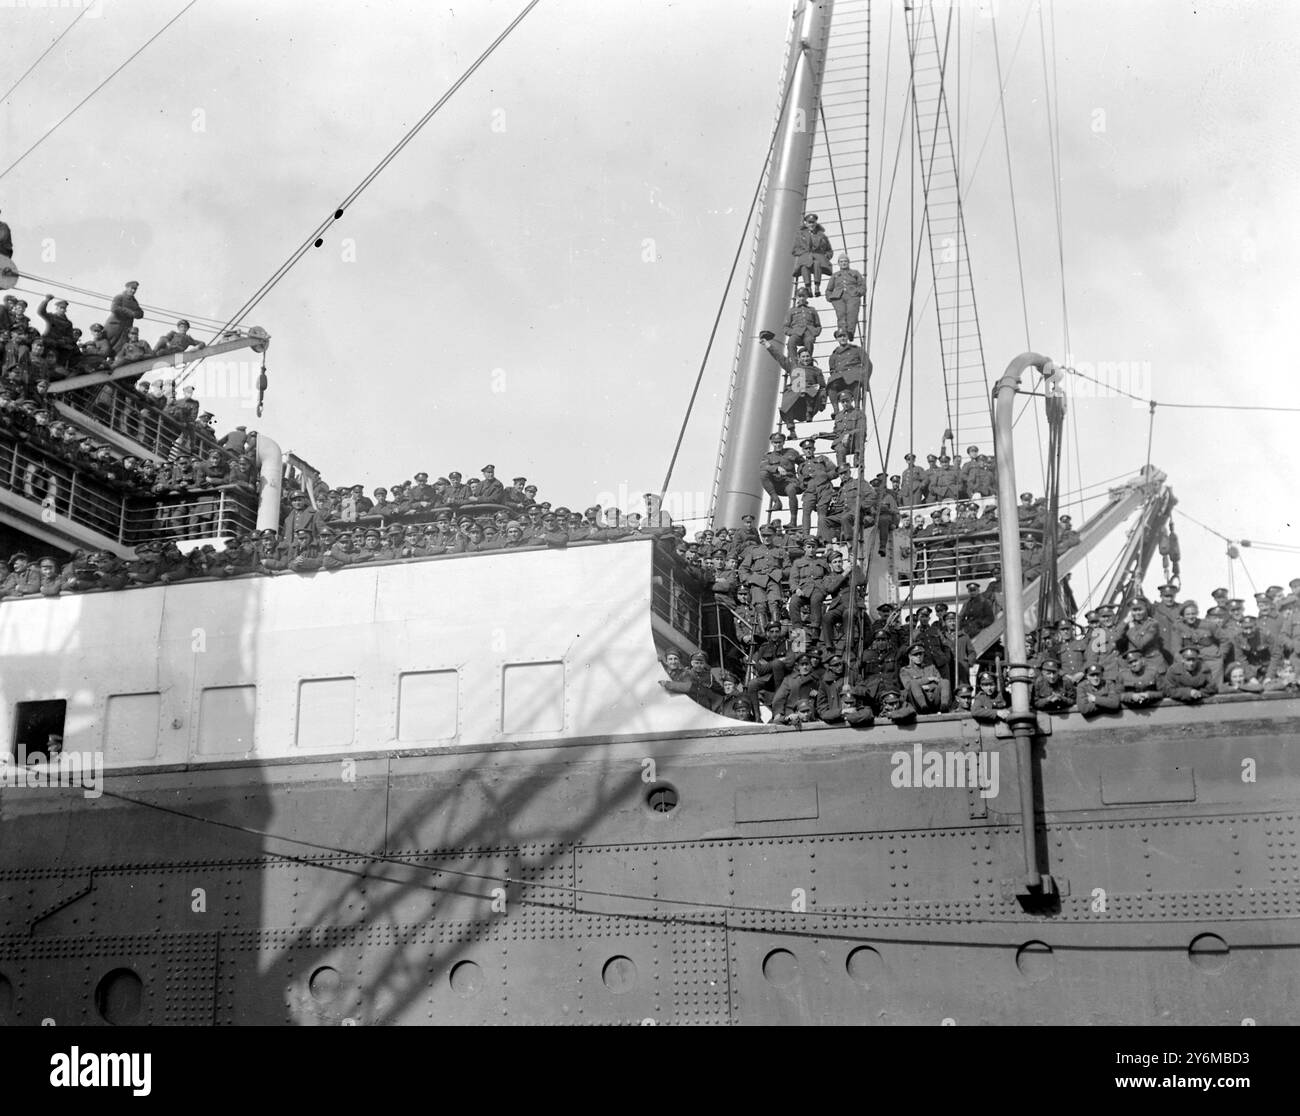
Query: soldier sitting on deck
x=177 y=341
x=132 y=350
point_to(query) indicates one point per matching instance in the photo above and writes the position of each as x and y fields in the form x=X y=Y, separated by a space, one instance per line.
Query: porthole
x=1035 y=960
x=662 y=798
x=780 y=967
x=119 y=996
x=619 y=974
x=1209 y=953
x=864 y=966
x=466 y=979
x=324 y=984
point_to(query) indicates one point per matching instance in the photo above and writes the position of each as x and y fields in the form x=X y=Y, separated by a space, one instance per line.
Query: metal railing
x=229 y=509
x=127 y=412
x=61 y=489
x=675 y=595
x=64 y=491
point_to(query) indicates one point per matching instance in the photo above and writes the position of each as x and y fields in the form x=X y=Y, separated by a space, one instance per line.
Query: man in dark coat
x=177 y=341
x=124 y=311
x=844 y=292
x=491 y=491
x=59 y=336
x=301 y=516
x=812 y=253
x=802 y=327
x=849 y=367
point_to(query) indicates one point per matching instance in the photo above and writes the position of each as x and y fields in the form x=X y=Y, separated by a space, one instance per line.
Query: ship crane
x=255 y=338
x=1146 y=490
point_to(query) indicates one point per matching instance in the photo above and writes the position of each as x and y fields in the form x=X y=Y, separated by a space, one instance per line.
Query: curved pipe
x=1022 y=720
x=270 y=472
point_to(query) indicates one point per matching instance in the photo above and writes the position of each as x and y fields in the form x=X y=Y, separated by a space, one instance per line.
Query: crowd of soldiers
x=309 y=541
x=30 y=362
x=899 y=669
x=38 y=427
x=28 y=356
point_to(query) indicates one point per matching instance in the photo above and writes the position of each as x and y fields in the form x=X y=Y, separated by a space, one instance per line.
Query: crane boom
x=1146 y=490
x=255 y=339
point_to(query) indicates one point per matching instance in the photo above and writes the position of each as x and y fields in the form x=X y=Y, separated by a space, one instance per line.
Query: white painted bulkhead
x=496 y=648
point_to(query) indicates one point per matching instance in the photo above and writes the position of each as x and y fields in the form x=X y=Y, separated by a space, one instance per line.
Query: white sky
x=500 y=307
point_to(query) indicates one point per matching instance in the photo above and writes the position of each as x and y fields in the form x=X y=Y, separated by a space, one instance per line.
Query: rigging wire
x=201 y=320
x=858 y=452
x=80 y=15
x=140 y=50
x=1002 y=87
x=1183 y=406
x=522 y=883
x=726 y=290
x=927 y=173
x=38 y=295
x=1053 y=104
x=316 y=238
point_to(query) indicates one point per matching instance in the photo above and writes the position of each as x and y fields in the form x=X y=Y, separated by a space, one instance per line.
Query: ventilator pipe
x=270 y=472
x=1020 y=677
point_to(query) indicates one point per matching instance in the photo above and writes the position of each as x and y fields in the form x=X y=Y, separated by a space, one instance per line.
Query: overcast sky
x=491 y=297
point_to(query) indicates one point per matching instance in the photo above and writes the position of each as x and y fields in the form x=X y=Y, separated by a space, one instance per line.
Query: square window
x=327 y=713
x=427 y=705
x=38 y=726
x=131 y=726
x=532 y=698
x=226 y=720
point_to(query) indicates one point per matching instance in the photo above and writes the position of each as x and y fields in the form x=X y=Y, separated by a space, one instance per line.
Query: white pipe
x=1019 y=676
x=270 y=472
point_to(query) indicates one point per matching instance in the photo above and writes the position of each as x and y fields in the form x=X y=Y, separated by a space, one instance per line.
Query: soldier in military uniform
x=177 y=340
x=762 y=567
x=514 y=495
x=807 y=577
x=978 y=477
x=943 y=482
x=1142 y=632
x=812 y=252
x=850 y=368
x=911 y=482
x=1066 y=535
x=802 y=327
x=131 y=349
x=301 y=516
x=804 y=393
x=884 y=512
x=815 y=477
x=845 y=292
x=1102 y=650
x=1167 y=612
x=124 y=310
x=1051 y=692
x=850 y=431
x=1189 y=680
x=59 y=337
x=1193 y=632
x=457 y=493
x=491 y=491
x=780 y=475
x=769 y=660
x=976 y=613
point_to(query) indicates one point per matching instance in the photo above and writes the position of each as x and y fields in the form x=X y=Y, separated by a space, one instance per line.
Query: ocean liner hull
x=578 y=846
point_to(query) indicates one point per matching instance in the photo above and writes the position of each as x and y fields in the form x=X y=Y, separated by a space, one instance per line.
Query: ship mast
x=755 y=388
